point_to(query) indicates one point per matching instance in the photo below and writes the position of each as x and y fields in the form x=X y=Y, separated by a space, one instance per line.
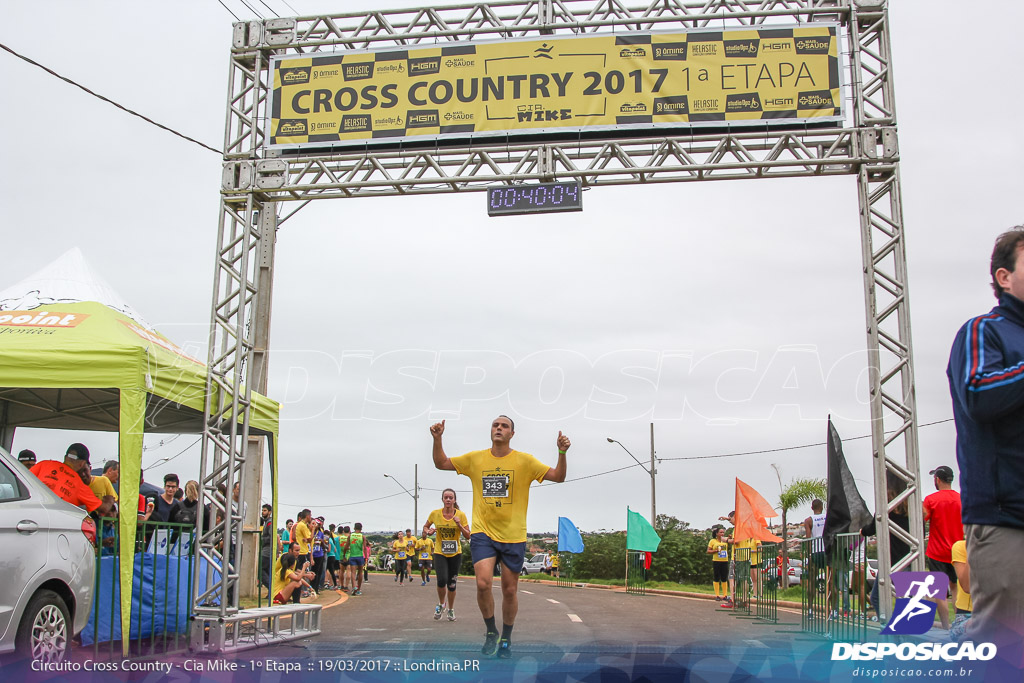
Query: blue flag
x=569 y=539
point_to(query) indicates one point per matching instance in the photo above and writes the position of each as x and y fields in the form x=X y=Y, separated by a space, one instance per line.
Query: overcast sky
x=730 y=314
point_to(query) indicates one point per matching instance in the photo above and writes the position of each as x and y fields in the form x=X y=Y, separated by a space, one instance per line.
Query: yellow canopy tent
x=72 y=356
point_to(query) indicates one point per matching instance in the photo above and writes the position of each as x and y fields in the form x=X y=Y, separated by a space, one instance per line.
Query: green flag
x=640 y=535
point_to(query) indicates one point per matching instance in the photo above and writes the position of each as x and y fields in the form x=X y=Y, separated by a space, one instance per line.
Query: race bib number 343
x=495 y=486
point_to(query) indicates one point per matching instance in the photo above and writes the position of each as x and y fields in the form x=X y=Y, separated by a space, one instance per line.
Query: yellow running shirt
x=963 y=599
x=399 y=548
x=277 y=582
x=410 y=545
x=425 y=548
x=302 y=535
x=448 y=534
x=501 y=491
x=755 y=552
x=721 y=549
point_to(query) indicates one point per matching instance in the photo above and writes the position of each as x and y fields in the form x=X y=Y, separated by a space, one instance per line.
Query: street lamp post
x=652 y=471
x=415 y=496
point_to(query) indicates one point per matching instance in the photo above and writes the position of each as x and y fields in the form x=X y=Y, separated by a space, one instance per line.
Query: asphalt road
x=557 y=629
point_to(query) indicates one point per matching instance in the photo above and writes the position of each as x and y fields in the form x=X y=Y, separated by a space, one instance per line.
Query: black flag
x=846 y=511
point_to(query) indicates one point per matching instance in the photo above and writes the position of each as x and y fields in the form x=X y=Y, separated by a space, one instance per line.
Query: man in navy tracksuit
x=986 y=380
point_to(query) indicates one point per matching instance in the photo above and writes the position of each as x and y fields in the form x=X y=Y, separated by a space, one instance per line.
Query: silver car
x=47 y=565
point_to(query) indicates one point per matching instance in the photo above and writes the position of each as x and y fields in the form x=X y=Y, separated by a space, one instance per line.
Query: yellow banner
x=635 y=81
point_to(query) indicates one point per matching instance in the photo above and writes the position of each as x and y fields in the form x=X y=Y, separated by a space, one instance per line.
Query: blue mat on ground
x=161 y=596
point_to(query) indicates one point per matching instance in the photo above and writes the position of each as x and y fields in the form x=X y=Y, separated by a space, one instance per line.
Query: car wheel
x=44 y=632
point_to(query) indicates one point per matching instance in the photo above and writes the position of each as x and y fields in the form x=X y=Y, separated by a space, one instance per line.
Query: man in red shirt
x=946 y=527
x=65 y=479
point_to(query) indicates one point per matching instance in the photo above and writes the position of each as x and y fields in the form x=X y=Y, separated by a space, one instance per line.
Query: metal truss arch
x=256 y=180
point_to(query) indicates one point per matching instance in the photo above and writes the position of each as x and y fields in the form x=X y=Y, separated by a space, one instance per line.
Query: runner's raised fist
x=563 y=442
x=437 y=429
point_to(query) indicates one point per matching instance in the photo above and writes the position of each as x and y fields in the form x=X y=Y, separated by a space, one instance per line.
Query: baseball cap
x=78 y=451
x=26 y=456
x=944 y=473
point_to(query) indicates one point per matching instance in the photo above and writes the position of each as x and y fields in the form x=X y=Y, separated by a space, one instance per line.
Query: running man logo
x=914 y=612
x=296 y=76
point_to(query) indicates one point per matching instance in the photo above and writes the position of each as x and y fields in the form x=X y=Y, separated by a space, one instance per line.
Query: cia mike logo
x=916 y=592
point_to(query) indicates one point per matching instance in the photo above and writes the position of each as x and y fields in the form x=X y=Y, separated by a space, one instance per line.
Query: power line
x=108 y=100
x=271 y=10
x=788 y=448
x=251 y=9
x=164 y=461
x=229 y=10
x=620 y=469
x=341 y=505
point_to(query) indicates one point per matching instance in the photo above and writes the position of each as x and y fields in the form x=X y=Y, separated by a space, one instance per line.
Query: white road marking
x=554 y=601
x=573 y=617
x=371 y=629
x=527 y=592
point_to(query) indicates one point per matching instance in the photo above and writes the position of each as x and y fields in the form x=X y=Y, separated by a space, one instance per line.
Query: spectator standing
x=65 y=480
x=319 y=555
x=718 y=548
x=267 y=538
x=942 y=512
x=986 y=381
x=187 y=511
x=166 y=504
x=27 y=458
x=963 y=604
x=302 y=535
x=100 y=485
x=357 y=549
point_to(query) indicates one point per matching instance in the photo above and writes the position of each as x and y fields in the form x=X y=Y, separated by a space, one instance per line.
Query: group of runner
x=311 y=552
x=443 y=556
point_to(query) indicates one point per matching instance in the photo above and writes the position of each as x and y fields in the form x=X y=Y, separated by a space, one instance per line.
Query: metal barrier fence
x=828 y=607
x=768 y=577
x=161 y=596
x=756 y=586
x=741 y=575
x=636 y=572
x=563 y=571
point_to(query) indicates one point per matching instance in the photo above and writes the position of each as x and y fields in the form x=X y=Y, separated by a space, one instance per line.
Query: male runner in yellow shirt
x=501 y=480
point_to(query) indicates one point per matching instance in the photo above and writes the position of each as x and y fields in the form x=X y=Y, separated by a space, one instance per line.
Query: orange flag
x=752 y=510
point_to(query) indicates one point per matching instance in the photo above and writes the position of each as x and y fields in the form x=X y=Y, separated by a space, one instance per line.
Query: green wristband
x=561 y=452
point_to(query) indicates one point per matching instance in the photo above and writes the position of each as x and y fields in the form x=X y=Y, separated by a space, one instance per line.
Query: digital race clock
x=514 y=200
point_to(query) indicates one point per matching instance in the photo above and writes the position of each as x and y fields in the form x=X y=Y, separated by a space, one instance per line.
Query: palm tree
x=799 y=492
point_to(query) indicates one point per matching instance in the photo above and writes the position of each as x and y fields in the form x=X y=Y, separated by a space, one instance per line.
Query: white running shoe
x=451 y=614
x=438 y=611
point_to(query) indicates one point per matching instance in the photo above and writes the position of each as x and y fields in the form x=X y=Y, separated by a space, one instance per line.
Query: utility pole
x=654 y=514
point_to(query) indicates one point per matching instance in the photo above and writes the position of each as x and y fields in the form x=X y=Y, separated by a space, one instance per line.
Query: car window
x=10 y=487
